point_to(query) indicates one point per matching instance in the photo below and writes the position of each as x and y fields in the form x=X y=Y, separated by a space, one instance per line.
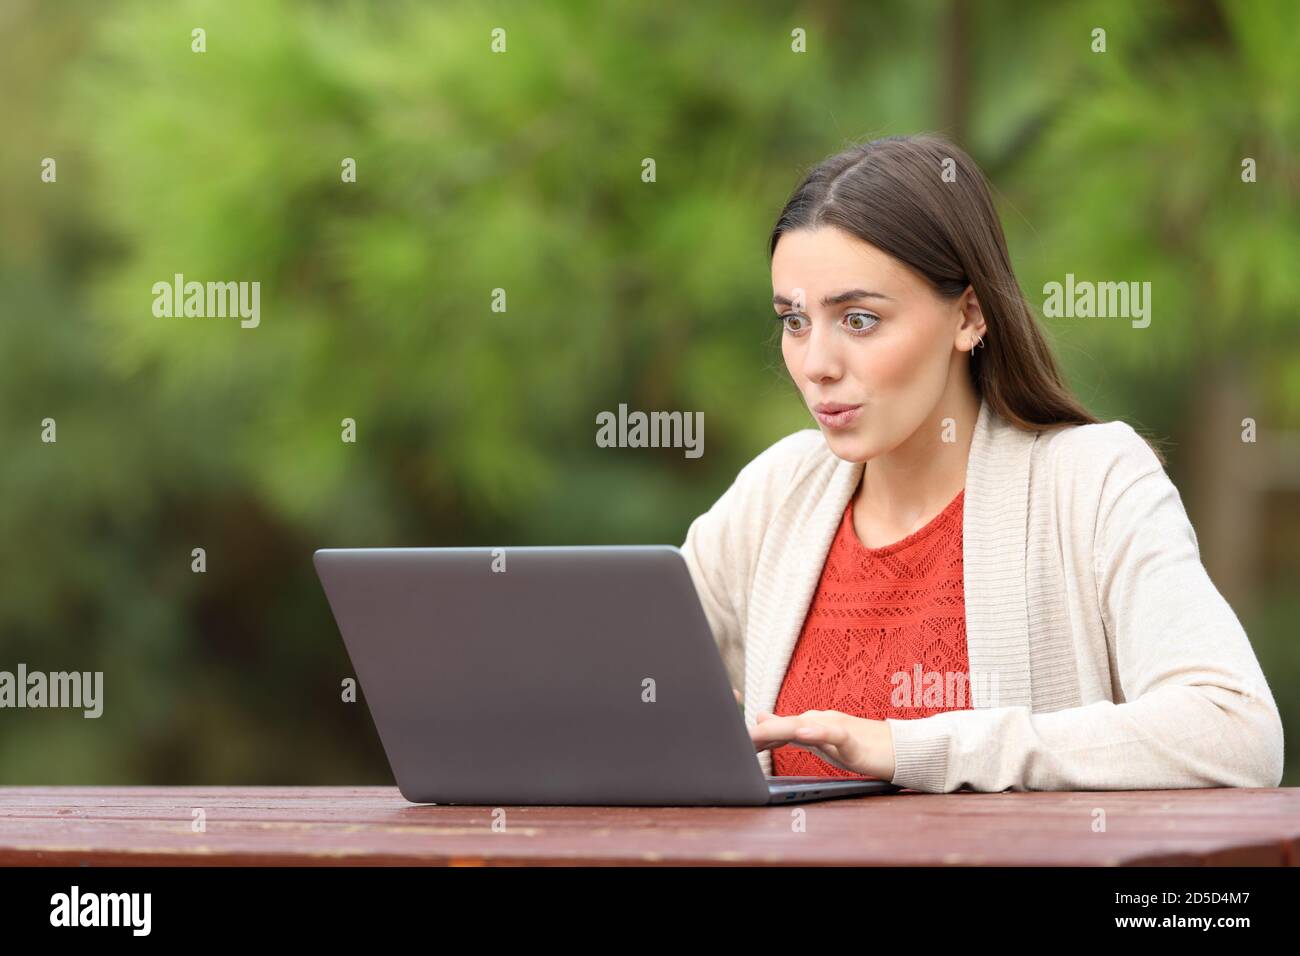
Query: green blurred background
x=522 y=171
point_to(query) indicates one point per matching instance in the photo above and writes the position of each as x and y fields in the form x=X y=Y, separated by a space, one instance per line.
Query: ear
x=972 y=320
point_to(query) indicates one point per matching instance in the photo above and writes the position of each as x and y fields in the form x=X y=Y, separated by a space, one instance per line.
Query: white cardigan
x=1112 y=661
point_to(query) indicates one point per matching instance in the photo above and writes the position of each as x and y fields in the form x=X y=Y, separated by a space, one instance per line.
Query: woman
x=961 y=579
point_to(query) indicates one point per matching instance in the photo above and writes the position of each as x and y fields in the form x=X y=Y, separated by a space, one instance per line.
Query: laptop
x=550 y=676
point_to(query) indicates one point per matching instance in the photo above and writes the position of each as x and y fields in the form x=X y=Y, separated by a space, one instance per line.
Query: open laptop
x=550 y=676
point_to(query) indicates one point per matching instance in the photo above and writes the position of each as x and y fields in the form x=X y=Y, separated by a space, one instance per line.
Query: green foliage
x=518 y=171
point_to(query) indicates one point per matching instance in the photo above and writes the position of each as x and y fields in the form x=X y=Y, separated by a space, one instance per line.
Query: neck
x=914 y=481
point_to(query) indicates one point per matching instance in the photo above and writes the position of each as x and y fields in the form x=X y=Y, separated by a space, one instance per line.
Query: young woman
x=961 y=579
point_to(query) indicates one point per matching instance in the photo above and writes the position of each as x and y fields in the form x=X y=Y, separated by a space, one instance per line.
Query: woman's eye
x=860 y=321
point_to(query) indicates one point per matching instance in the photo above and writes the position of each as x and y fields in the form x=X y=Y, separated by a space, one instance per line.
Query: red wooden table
x=374 y=825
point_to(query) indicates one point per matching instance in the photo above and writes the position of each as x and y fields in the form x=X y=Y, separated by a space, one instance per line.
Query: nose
x=821 y=359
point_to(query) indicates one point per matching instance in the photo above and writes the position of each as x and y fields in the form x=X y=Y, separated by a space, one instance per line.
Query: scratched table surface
x=269 y=826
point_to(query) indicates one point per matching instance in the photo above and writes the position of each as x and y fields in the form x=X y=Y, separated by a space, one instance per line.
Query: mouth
x=836 y=414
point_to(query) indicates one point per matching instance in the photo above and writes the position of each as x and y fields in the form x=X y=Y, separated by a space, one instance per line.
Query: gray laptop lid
x=573 y=676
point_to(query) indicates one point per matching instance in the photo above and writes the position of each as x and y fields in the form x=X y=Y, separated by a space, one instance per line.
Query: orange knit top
x=885 y=634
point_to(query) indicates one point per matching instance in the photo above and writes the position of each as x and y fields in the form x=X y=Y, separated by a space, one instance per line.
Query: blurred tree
x=519 y=171
x=1139 y=177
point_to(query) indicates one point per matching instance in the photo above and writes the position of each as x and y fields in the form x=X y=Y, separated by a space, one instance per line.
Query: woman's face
x=867 y=340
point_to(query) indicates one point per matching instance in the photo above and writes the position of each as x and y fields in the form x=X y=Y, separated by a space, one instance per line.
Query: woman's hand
x=851 y=743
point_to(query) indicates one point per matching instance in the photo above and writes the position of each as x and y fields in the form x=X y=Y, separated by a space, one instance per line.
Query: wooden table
x=374 y=825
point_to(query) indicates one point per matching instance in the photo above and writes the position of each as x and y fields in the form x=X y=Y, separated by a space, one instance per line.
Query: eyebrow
x=838 y=298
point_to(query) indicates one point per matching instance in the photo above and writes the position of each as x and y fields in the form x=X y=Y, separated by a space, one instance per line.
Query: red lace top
x=882 y=624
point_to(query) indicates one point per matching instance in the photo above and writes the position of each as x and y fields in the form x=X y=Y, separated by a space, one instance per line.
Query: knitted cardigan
x=1102 y=656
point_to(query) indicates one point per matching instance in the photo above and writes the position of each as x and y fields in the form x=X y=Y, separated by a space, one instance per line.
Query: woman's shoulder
x=797 y=464
x=1097 y=462
x=1100 y=444
x=789 y=458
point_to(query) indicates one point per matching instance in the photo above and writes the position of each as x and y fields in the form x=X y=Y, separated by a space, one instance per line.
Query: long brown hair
x=892 y=194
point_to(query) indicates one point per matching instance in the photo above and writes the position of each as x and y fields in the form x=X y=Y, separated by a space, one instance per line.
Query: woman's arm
x=721 y=545
x=711 y=538
x=1197 y=710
